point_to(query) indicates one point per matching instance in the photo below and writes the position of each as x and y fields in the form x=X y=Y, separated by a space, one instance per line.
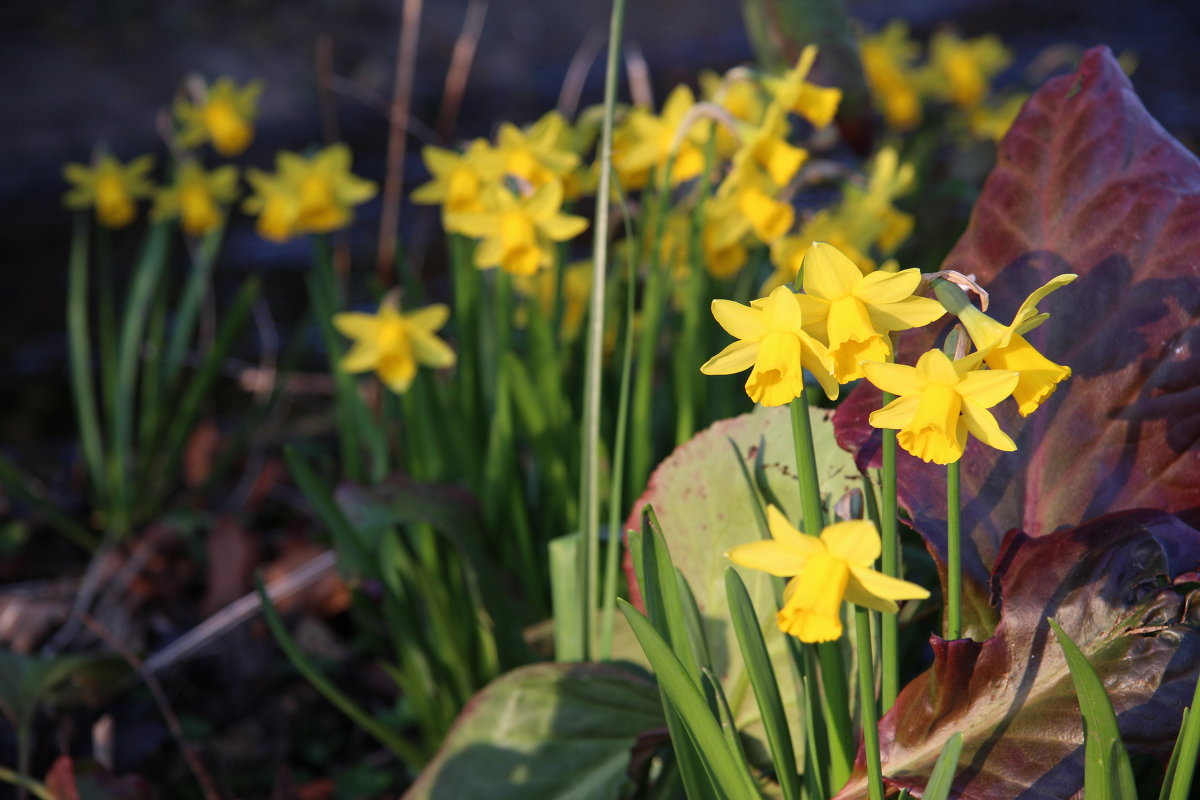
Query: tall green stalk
x=870 y=712
x=890 y=623
x=953 y=554
x=589 y=484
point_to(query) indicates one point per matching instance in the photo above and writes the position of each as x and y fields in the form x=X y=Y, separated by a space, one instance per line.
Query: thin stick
x=577 y=72
x=393 y=185
x=461 y=59
x=325 y=101
x=638 y=72
x=195 y=764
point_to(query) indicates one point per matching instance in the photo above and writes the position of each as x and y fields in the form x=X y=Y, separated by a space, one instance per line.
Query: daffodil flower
x=275 y=202
x=393 y=344
x=888 y=66
x=517 y=232
x=855 y=313
x=197 y=197
x=825 y=570
x=325 y=187
x=458 y=179
x=537 y=155
x=224 y=115
x=740 y=96
x=960 y=70
x=817 y=104
x=645 y=141
x=939 y=402
x=773 y=343
x=112 y=188
x=1004 y=347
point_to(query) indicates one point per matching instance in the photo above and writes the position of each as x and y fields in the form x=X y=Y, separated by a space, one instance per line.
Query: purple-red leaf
x=1085 y=182
x=1109 y=584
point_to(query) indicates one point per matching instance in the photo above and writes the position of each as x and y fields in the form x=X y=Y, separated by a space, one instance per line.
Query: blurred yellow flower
x=223 y=114
x=767 y=146
x=1004 y=347
x=197 y=197
x=793 y=93
x=960 y=70
x=740 y=96
x=825 y=570
x=854 y=314
x=769 y=217
x=392 y=343
x=939 y=401
x=888 y=65
x=723 y=240
x=458 y=179
x=992 y=122
x=316 y=194
x=517 y=233
x=773 y=343
x=112 y=188
x=644 y=142
x=538 y=154
x=542 y=286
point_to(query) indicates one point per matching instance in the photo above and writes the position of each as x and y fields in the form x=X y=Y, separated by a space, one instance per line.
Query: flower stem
x=953 y=555
x=890 y=624
x=806 y=468
x=870 y=712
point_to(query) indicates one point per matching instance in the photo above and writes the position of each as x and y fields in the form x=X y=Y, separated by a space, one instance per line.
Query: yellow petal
x=896 y=414
x=934 y=366
x=431 y=350
x=546 y=201
x=739 y=321
x=362 y=357
x=563 y=227
x=885 y=587
x=1038 y=375
x=936 y=432
x=474 y=225
x=986 y=388
x=769 y=556
x=855 y=541
x=429 y=318
x=736 y=357
x=781 y=312
x=356 y=324
x=912 y=312
x=884 y=287
x=857 y=594
x=778 y=375
x=897 y=379
x=817 y=594
x=983 y=426
x=828 y=273
x=783 y=532
x=1028 y=309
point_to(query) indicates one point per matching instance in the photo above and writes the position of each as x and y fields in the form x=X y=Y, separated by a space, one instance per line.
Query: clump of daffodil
x=1004 y=347
x=539 y=154
x=221 y=113
x=307 y=195
x=392 y=343
x=888 y=59
x=960 y=70
x=855 y=314
x=645 y=142
x=197 y=197
x=458 y=179
x=939 y=402
x=771 y=342
x=110 y=187
x=518 y=232
x=825 y=570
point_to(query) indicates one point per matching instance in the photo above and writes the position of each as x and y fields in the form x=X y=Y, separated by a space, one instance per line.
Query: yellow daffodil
x=538 y=154
x=992 y=122
x=740 y=96
x=392 y=343
x=197 y=197
x=772 y=341
x=645 y=142
x=854 y=314
x=769 y=217
x=888 y=65
x=825 y=570
x=517 y=233
x=960 y=70
x=307 y=195
x=223 y=115
x=112 y=188
x=939 y=402
x=767 y=146
x=723 y=241
x=1004 y=347
x=817 y=104
x=276 y=203
x=458 y=179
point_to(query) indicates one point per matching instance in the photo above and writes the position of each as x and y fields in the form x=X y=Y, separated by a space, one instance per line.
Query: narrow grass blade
x=190 y=303
x=661 y=593
x=401 y=747
x=17 y=485
x=564 y=591
x=942 y=777
x=685 y=696
x=1107 y=774
x=354 y=553
x=762 y=679
x=79 y=350
x=1182 y=770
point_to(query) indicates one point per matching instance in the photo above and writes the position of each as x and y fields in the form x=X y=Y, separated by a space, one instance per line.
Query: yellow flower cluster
x=509 y=195
x=305 y=195
x=958 y=72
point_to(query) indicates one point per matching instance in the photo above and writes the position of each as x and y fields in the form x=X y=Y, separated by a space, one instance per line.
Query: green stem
x=870 y=712
x=890 y=630
x=806 y=468
x=953 y=555
x=589 y=483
